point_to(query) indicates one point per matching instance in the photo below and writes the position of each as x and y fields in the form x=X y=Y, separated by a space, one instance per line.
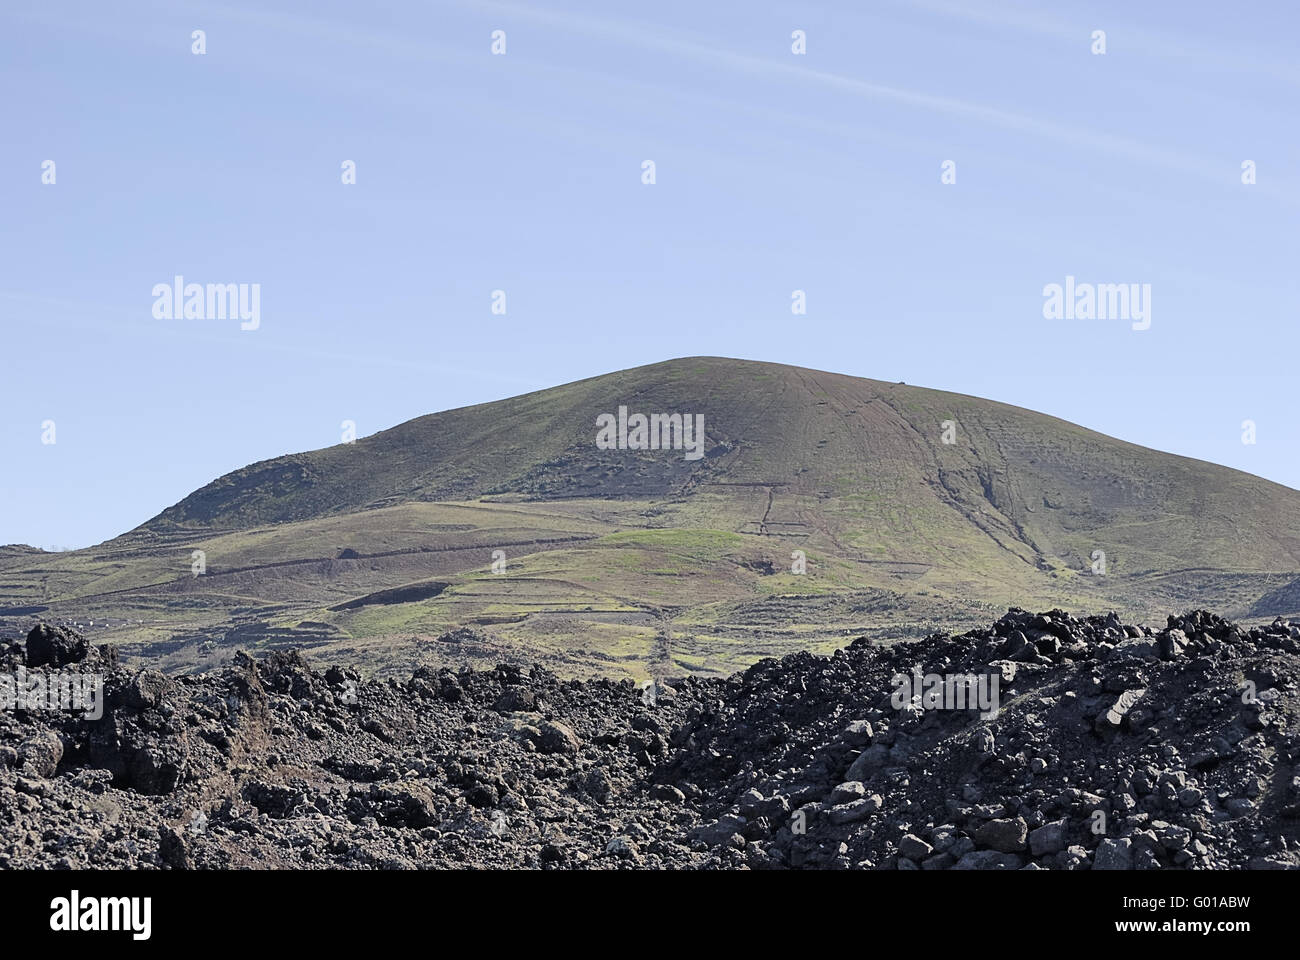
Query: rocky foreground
x=1113 y=747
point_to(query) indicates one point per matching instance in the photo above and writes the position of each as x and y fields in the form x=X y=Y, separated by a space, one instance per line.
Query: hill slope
x=652 y=561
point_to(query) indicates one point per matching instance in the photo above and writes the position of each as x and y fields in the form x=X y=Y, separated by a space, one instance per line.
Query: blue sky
x=522 y=172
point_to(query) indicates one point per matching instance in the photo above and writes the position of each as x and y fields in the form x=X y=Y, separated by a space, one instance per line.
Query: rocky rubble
x=1112 y=747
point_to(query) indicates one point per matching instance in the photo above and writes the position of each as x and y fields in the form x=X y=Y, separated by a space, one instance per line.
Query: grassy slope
x=633 y=562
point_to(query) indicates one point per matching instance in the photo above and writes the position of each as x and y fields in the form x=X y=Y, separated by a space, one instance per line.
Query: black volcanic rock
x=55 y=646
x=1095 y=758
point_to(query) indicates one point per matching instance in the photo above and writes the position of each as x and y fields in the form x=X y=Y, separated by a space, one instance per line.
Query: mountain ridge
x=306 y=464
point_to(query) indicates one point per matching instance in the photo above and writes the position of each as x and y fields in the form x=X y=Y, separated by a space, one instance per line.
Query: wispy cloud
x=647 y=36
x=674 y=43
x=1134 y=40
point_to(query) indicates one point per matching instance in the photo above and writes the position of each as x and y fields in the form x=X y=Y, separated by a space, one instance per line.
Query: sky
x=523 y=171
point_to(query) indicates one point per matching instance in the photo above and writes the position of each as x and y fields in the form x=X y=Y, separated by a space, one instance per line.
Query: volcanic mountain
x=815 y=507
